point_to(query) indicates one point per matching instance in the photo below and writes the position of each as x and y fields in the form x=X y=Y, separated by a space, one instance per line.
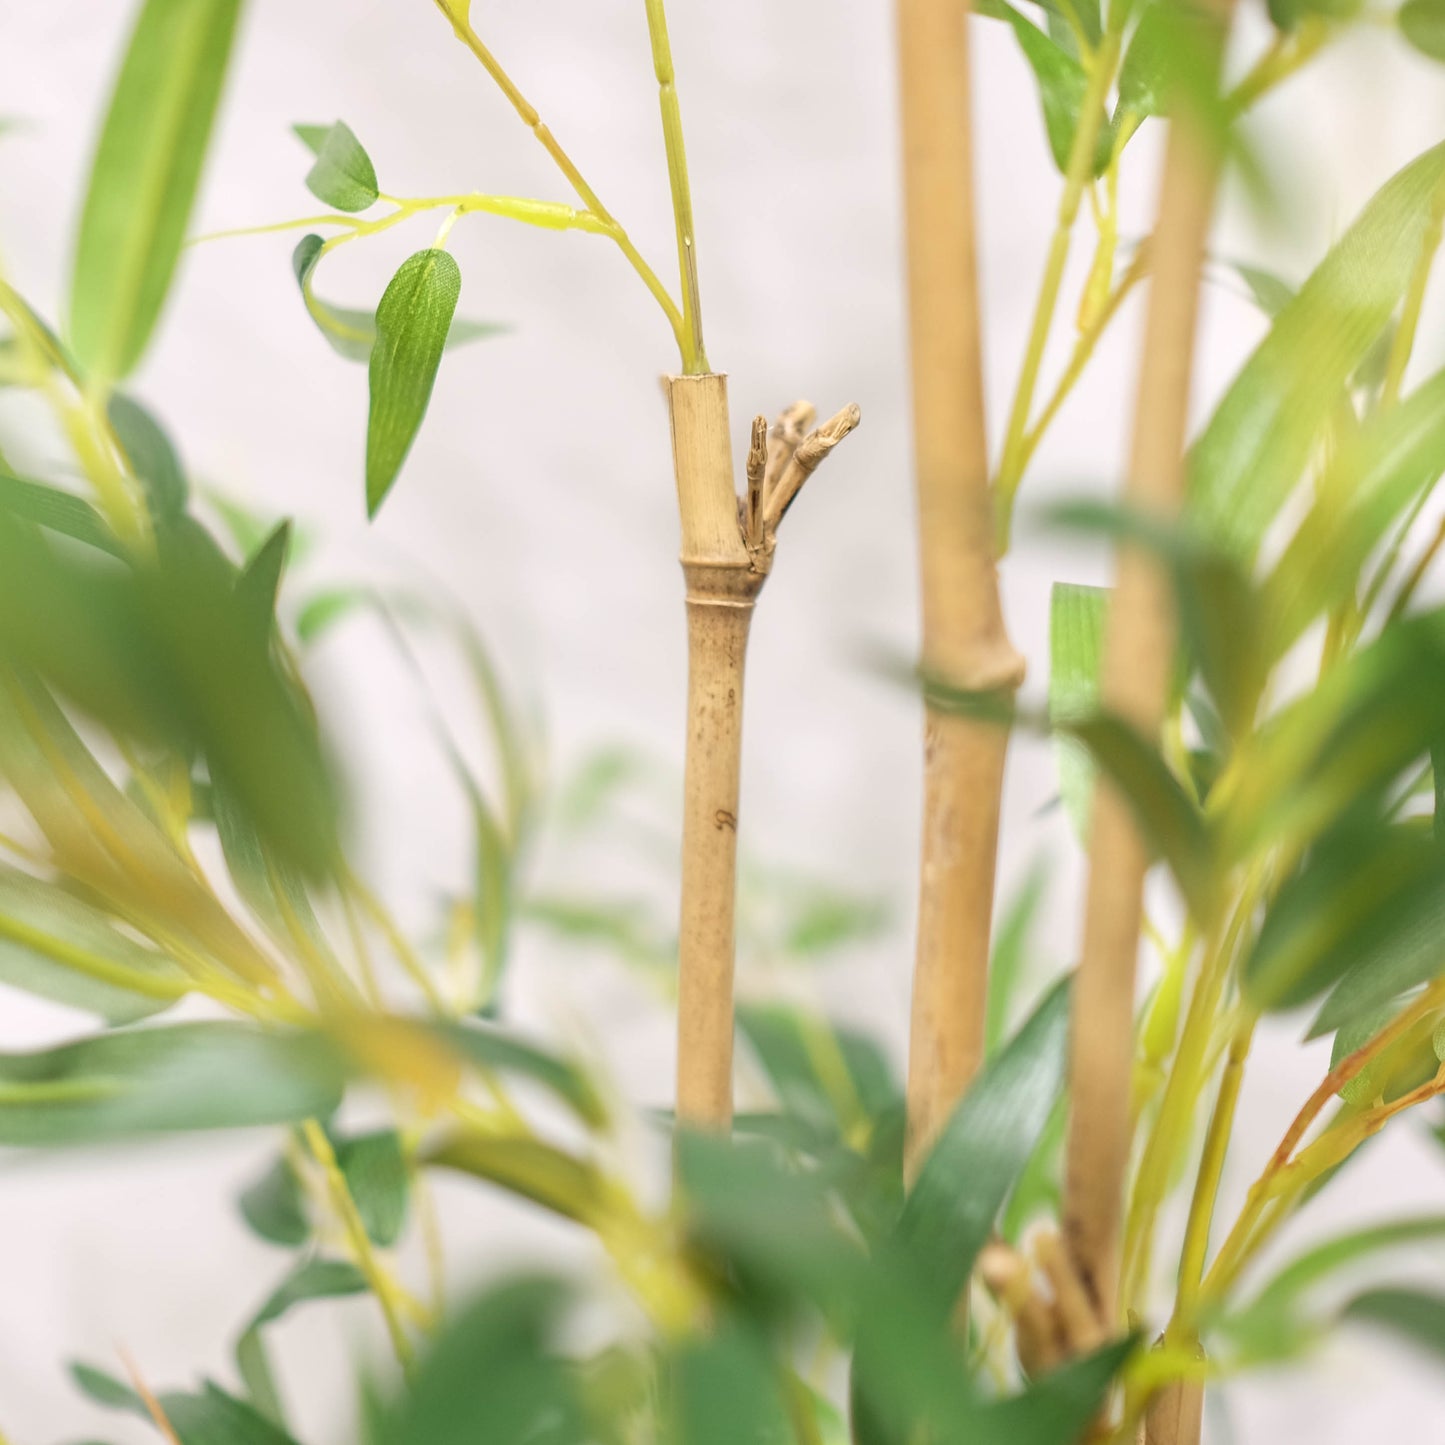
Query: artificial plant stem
x=1080 y=169
x=456 y=12
x=1138 y=655
x=722 y=585
x=694 y=358
x=965 y=643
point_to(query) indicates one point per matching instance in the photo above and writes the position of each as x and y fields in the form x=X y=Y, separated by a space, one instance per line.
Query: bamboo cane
x=1139 y=648
x=727 y=551
x=964 y=639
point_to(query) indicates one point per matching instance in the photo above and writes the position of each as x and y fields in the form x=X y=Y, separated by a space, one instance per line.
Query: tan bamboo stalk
x=727 y=550
x=1138 y=654
x=1176 y=1414
x=964 y=640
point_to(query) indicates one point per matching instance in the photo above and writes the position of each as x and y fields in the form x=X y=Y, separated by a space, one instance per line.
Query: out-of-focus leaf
x=275 y=1206
x=1172 y=826
x=490 y=1047
x=1290 y=14
x=629 y=929
x=1360 y=896
x=1271 y=293
x=312 y=1279
x=828 y=1075
x=1145 y=75
x=260 y=581
x=1371 y=482
x=104 y=1388
x=412 y=321
x=151 y=455
x=1076 y=649
x=179 y=1078
x=723 y=1388
x=1422 y=23
x=1400 y=1069
x=214 y=1417
x=58 y=946
x=375 y=1168
x=1274 y=1322
x=343 y=175
x=1262 y=433
x=1061 y=80
x=1410 y=1314
x=321 y=612
x=144 y=179
x=1010 y=957
x=494 y=1374
x=528 y=1168
x=978 y=1157
x=60 y=512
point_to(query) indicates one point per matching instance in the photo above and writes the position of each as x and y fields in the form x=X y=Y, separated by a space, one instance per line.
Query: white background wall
x=540 y=493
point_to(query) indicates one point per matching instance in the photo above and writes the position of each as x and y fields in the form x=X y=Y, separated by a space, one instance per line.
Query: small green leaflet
x=1422 y=23
x=412 y=322
x=146 y=172
x=351 y=331
x=1076 y=647
x=343 y=175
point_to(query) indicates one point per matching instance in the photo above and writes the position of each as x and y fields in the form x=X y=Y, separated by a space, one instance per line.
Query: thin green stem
x=694 y=352
x=1076 y=179
x=1286 y=55
x=456 y=12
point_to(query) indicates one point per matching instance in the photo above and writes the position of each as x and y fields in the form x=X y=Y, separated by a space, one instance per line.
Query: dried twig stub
x=726 y=556
x=964 y=640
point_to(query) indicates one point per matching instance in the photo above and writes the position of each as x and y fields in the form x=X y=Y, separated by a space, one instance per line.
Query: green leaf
x=412 y=322
x=723 y=1389
x=259 y=584
x=1076 y=649
x=275 y=1206
x=312 y=1279
x=179 y=1078
x=151 y=455
x=1270 y=292
x=321 y=611
x=980 y=1153
x=343 y=175
x=375 y=1168
x=105 y=1389
x=535 y=1171
x=145 y=176
x=1411 y=1314
x=1263 y=432
x=217 y=1418
x=61 y=512
x=1062 y=84
x=490 y=1047
x=494 y=1375
x=1144 y=75
x=54 y=944
x=1422 y=23
x=1010 y=956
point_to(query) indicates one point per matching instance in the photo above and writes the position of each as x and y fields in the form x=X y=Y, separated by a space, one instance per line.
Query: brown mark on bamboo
x=1138 y=656
x=727 y=552
x=965 y=644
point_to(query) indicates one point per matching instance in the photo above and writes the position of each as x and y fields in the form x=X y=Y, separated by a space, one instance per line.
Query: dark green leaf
x=723 y=1389
x=1410 y=1314
x=1422 y=23
x=412 y=321
x=144 y=179
x=343 y=175
x=1257 y=443
x=275 y=1206
x=165 y=1079
x=217 y=1418
x=489 y=1047
x=151 y=455
x=105 y=1389
x=260 y=581
x=61 y=512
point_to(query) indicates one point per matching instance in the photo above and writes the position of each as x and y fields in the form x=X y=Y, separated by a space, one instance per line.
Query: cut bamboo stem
x=964 y=640
x=727 y=550
x=1139 y=649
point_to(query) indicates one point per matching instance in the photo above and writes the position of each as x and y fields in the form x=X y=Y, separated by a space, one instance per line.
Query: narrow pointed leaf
x=412 y=322
x=343 y=175
x=1076 y=648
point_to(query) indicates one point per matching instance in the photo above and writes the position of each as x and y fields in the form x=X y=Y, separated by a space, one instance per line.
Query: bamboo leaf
x=179 y=1078
x=57 y=946
x=489 y=1047
x=979 y=1155
x=214 y=1417
x=275 y=1206
x=1422 y=23
x=412 y=322
x=259 y=584
x=379 y=1180
x=60 y=512
x=723 y=1388
x=1010 y=956
x=1260 y=437
x=535 y=1171
x=343 y=175
x=1076 y=648
x=145 y=176
x=104 y=1388
x=1410 y=1314
x=151 y=455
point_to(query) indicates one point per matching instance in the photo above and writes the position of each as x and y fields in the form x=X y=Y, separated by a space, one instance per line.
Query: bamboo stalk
x=964 y=639
x=727 y=550
x=1139 y=648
